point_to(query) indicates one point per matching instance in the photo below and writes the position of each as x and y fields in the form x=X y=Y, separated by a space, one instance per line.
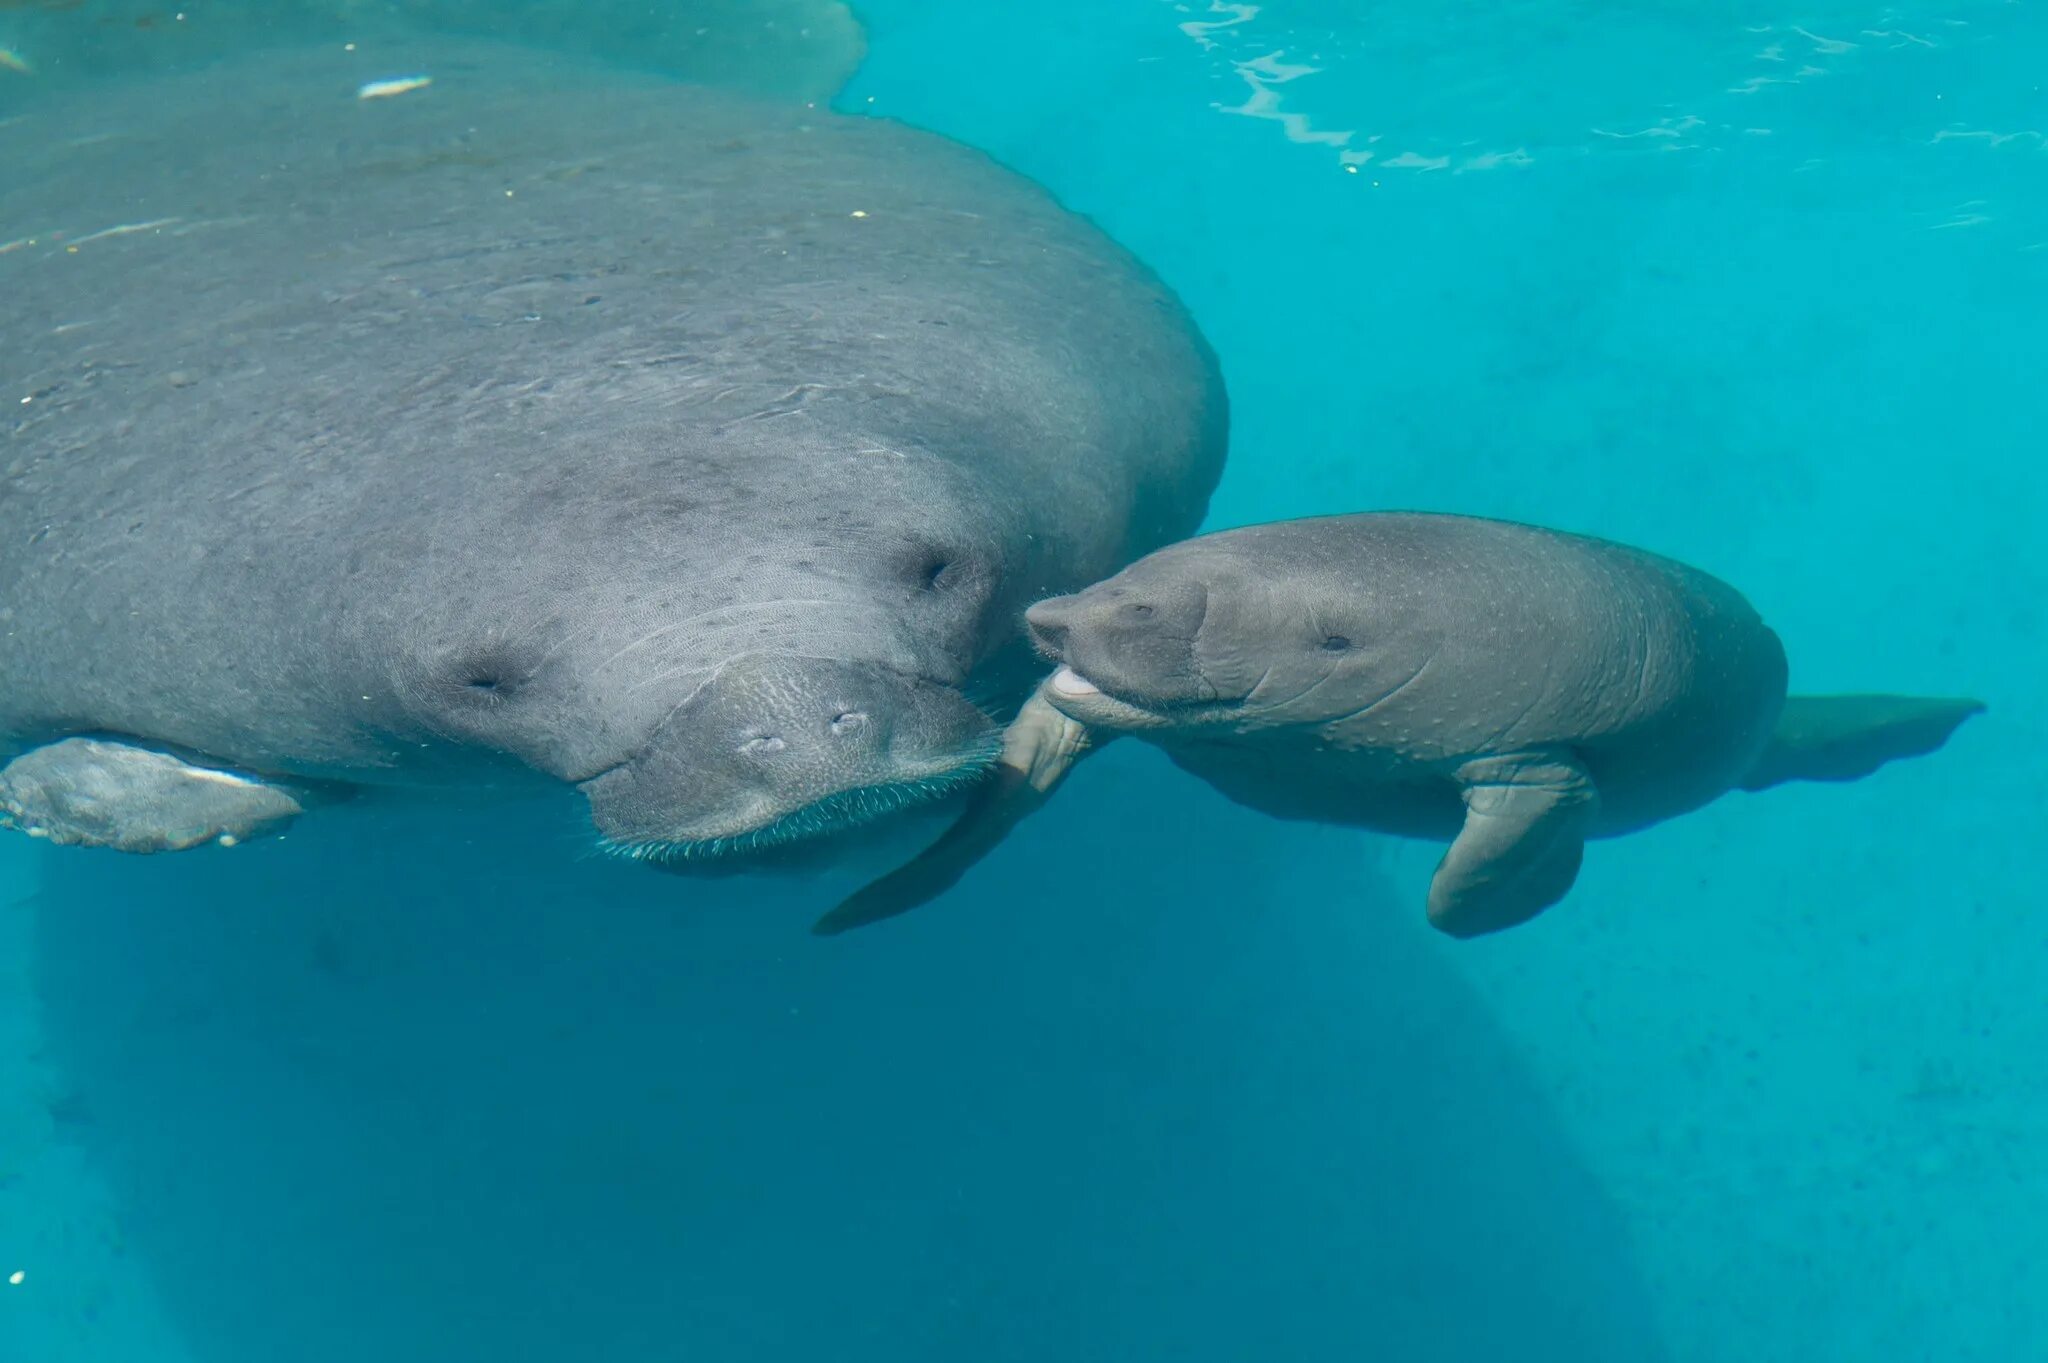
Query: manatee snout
x=777 y=748
x=1130 y=638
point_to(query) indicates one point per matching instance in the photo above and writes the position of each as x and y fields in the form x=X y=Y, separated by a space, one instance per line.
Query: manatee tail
x=1845 y=738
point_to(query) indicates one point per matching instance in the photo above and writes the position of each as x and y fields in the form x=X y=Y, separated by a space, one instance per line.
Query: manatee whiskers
x=835 y=813
x=984 y=692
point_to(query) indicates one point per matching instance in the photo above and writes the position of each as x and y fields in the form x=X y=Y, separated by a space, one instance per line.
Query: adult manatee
x=697 y=453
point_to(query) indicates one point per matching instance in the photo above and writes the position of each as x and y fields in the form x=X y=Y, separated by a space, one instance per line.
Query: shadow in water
x=451 y=1093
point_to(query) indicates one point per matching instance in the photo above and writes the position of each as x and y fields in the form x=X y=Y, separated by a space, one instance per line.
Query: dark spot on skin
x=488 y=676
x=1336 y=643
x=1138 y=609
x=937 y=567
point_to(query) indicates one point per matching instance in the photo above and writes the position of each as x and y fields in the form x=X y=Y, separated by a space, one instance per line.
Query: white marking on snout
x=1068 y=682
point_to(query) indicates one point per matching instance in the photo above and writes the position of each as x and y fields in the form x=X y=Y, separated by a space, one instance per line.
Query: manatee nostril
x=761 y=745
x=1049 y=636
x=849 y=721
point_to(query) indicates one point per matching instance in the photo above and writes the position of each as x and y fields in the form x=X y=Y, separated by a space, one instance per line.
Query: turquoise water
x=1763 y=289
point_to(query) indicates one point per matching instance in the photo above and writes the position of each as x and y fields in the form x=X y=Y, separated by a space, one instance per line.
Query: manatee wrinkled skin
x=1507 y=689
x=698 y=453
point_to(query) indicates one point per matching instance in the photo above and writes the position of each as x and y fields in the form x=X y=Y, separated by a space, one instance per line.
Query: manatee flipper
x=1039 y=748
x=1845 y=738
x=94 y=792
x=1526 y=820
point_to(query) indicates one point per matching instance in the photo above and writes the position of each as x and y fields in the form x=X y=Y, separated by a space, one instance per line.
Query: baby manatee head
x=1231 y=629
x=1128 y=642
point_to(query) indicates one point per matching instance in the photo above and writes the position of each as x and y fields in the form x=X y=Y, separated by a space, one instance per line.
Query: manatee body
x=695 y=452
x=1510 y=690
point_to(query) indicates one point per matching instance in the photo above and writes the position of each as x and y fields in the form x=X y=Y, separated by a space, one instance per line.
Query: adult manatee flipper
x=1845 y=738
x=1039 y=748
x=95 y=792
x=1527 y=817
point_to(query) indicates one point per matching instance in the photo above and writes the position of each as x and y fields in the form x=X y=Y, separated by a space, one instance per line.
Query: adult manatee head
x=697 y=453
x=735 y=667
x=724 y=669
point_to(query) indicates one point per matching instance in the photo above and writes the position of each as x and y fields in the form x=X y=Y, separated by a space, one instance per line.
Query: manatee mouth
x=1067 y=682
x=1086 y=701
x=814 y=827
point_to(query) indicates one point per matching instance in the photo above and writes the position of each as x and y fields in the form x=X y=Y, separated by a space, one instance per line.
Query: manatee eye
x=476 y=674
x=487 y=686
x=488 y=680
x=931 y=567
x=1335 y=643
x=937 y=569
x=1138 y=610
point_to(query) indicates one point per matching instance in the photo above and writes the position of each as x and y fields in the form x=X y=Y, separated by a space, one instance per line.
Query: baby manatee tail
x=1039 y=748
x=1845 y=738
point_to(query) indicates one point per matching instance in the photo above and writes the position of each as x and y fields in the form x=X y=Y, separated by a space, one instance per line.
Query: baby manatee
x=1510 y=690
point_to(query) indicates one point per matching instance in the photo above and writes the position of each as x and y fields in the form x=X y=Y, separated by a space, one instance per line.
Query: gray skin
x=1509 y=690
x=695 y=453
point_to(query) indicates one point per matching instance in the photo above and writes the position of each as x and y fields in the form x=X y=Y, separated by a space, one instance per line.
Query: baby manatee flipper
x=95 y=792
x=1845 y=738
x=1039 y=748
x=1526 y=820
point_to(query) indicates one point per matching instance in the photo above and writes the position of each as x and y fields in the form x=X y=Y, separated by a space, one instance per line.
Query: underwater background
x=1763 y=288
